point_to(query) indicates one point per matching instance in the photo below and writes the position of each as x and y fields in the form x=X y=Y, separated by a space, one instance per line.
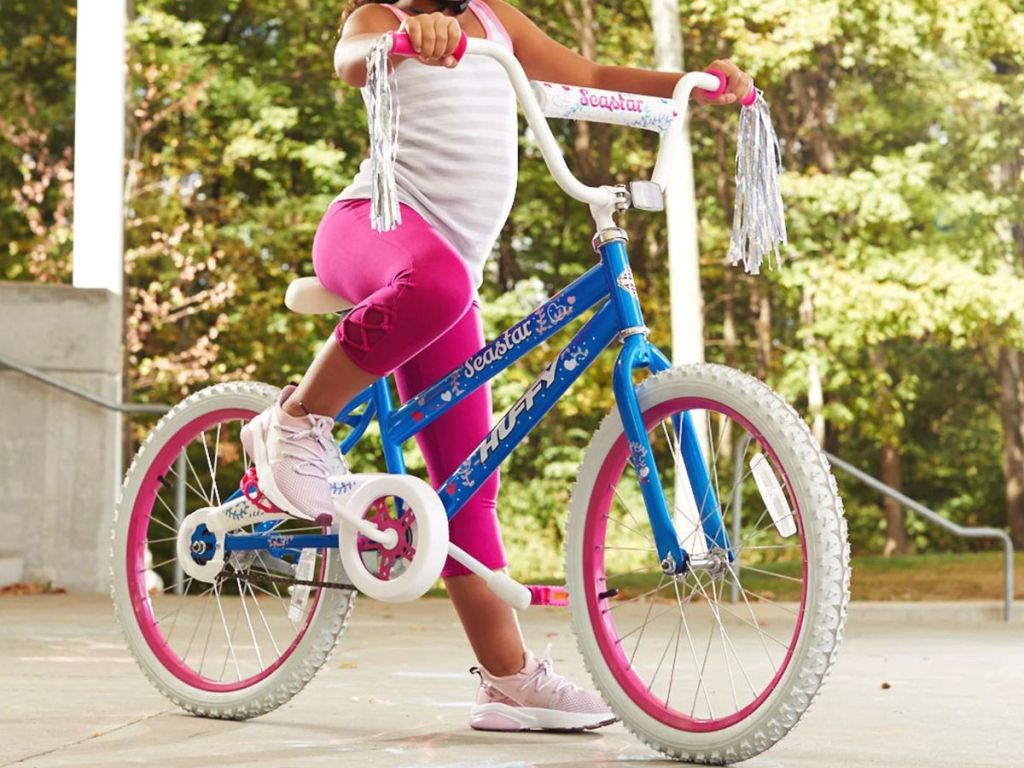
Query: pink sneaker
x=535 y=698
x=294 y=456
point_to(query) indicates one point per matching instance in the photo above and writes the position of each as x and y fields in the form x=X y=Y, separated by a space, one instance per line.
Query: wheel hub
x=203 y=545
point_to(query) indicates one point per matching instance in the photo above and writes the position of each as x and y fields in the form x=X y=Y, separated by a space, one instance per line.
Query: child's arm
x=434 y=35
x=545 y=59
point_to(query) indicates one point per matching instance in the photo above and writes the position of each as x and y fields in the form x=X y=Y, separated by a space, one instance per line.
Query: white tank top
x=457 y=146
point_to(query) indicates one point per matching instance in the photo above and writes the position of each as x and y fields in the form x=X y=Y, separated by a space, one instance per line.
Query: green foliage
x=900 y=122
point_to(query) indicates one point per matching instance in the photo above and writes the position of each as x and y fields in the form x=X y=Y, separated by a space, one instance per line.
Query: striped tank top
x=457 y=146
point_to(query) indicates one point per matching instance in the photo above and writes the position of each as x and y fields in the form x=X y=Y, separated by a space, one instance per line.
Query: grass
x=972 y=576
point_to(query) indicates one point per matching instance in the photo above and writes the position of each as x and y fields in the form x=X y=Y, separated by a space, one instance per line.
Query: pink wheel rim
x=138 y=528
x=593 y=569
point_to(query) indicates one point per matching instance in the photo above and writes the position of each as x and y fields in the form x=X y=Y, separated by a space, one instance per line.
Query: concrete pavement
x=397 y=694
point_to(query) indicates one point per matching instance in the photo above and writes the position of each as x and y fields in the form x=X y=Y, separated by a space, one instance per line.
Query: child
x=417 y=313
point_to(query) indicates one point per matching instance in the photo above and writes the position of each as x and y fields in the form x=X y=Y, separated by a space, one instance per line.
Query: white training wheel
x=407 y=559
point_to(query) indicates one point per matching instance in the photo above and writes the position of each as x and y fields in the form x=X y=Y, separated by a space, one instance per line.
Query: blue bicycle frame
x=608 y=286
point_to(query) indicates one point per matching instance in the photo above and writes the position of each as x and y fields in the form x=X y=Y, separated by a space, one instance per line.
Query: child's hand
x=433 y=36
x=739 y=84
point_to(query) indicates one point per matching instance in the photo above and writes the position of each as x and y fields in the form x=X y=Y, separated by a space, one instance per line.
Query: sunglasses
x=455 y=7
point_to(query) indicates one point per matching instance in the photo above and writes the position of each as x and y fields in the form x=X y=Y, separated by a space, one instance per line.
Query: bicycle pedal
x=554 y=596
x=250 y=487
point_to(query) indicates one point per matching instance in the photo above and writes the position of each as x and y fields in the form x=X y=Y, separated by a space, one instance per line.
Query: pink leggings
x=415 y=316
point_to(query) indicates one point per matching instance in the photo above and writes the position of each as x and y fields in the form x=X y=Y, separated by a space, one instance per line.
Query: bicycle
x=654 y=537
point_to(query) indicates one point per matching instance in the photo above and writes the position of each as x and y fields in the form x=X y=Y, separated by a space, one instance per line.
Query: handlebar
x=601 y=197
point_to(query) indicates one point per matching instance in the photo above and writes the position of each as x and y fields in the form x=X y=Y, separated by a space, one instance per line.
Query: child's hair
x=353 y=4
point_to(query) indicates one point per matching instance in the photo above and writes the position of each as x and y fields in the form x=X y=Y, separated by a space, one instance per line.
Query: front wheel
x=717 y=664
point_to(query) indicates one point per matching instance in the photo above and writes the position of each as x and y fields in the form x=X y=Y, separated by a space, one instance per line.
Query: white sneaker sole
x=254 y=440
x=502 y=717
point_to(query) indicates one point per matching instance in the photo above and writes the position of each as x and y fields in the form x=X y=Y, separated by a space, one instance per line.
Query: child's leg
x=409 y=287
x=490 y=623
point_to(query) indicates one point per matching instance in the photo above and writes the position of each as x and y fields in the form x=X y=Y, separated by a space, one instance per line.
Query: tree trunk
x=895 y=525
x=592 y=144
x=815 y=398
x=760 y=305
x=508 y=269
x=1010 y=416
x=891 y=465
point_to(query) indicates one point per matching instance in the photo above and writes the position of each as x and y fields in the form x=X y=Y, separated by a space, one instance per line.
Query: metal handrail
x=71 y=389
x=915 y=506
x=967 y=532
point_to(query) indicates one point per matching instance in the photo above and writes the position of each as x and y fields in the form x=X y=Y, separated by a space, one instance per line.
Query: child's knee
x=442 y=288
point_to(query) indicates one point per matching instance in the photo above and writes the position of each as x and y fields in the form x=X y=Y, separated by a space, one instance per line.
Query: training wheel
x=409 y=562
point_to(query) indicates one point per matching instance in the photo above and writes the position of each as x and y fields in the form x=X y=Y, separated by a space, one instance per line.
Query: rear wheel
x=693 y=673
x=246 y=643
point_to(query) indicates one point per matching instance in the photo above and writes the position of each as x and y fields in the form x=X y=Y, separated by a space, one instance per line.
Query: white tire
x=826 y=587
x=322 y=630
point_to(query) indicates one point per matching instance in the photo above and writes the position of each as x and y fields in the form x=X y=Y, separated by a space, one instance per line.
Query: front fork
x=638 y=352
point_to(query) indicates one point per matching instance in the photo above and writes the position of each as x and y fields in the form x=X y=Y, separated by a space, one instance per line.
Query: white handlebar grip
x=510 y=590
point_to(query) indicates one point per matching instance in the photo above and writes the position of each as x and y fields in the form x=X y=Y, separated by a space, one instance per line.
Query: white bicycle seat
x=307 y=296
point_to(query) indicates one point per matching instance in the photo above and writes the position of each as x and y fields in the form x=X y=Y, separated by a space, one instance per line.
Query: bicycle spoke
x=199 y=623
x=762 y=599
x=248 y=621
x=216 y=458
x=209 y=631
x=227 y=636
x=675 y=657
x=620 y=603
x=693 y=653
x=725 y=654
x=161 y=522
x=707 y=647
x=214 y=493
x=662 y=659
x=643 y=627
x=631 y=528
x=263 y=618
x=770 y=573
x=173 y=472
x=199 y=482
x=753 y=618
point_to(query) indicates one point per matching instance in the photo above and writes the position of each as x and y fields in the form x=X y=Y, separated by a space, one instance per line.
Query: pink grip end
x=460 y=49
x=541 y=594
x=723 y=83
x=401 y=45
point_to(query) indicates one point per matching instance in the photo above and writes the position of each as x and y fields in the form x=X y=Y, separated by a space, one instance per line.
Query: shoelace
x=545 y=669
x=312 y=460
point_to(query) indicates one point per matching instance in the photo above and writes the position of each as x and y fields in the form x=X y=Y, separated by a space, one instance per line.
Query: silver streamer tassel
x=759 y=224
x=382 y=117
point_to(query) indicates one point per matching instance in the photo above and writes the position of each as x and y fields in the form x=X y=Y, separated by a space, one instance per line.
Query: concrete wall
x=59 y=455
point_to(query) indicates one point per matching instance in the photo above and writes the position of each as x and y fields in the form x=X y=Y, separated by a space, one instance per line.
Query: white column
x=681 y=207
x=684 y=265
x=98 y=248
x=98 y=259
